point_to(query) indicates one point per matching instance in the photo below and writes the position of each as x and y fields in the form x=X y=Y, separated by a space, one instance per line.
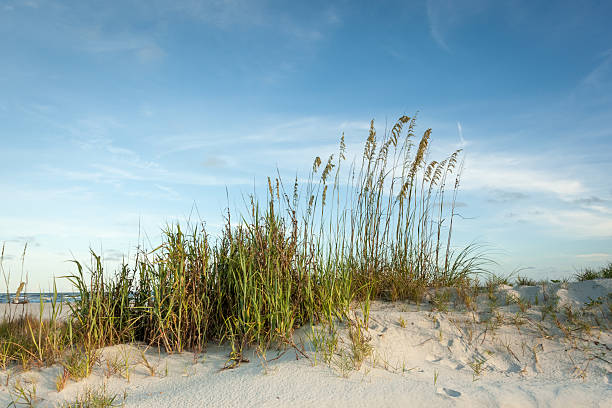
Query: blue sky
x=115 y=115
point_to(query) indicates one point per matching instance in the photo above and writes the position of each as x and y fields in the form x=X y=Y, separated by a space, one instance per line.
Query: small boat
x=19 y=300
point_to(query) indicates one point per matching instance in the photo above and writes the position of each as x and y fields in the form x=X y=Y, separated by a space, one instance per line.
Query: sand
x=32 y=309
x=421 y=357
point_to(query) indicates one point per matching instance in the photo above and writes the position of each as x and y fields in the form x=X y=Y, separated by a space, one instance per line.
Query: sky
x=119 y=117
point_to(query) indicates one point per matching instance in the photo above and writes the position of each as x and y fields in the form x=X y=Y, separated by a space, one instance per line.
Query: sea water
x=37 y=297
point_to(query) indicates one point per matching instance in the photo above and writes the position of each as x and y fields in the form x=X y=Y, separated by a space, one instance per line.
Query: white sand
x=526 y=363
x=32 y=309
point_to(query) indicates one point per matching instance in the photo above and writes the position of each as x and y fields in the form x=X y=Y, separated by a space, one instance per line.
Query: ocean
x=37 y=297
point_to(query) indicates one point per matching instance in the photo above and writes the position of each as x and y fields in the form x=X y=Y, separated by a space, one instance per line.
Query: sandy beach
x=437 y=353
x=32 y=309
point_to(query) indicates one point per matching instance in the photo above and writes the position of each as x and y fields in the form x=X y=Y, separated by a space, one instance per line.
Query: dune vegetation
x=379 y=229
x=375 y=228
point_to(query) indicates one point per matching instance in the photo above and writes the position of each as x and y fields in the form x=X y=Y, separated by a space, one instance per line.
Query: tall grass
x=25 y=339
x=379 y=227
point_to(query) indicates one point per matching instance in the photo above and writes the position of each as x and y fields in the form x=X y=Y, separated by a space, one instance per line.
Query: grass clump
x=32 y=341
x=524 y=281
x=29 y=341
x=95 y=398
x=324 y=341
x=359 y=342
x=79 y=362
x=604 y=272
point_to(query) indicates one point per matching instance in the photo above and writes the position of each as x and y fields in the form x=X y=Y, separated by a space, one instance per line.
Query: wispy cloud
x=513 y=189
x=91 y=132
x=593 y=93
x=501 y=196
x=284 y=134
x=169 y=192
x=589 y=201
x=221 y=13
x=11 y=5
x=116 y=176
x=230 y=14
x=97 y=41
x=157 y=192
x=114 y=255
x=21 y=193
x=29 y=240
x=576 y=223
x=436 y=25
x=595 y=256
x=104 y=31
x=461 y=139
x=215 y=162
x=602 y=73
x=43 y=228
x=446 y=15
x=150 y=52
x=520 y=174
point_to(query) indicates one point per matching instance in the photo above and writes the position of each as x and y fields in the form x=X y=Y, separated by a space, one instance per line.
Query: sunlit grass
x=379 y=228
x=300 y=256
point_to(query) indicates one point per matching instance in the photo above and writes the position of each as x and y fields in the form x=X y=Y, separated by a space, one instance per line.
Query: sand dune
x=438 y=353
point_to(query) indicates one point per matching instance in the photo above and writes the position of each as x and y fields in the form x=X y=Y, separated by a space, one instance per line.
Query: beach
x=300 y=204
x=500 y=352
x=33 y=309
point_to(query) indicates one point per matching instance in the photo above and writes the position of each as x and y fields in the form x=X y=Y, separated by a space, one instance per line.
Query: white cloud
x=594 y=256
x=523 y=174
x=575 y=223
x=462 y=143
x=520 y=184
x=600 y=208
